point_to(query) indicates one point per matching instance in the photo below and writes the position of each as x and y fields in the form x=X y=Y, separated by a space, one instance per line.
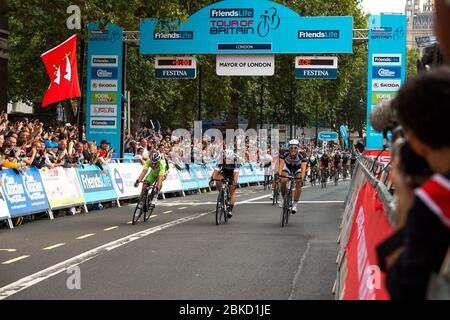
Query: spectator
x=138 y=156
x=144 y=144
x=424 y=238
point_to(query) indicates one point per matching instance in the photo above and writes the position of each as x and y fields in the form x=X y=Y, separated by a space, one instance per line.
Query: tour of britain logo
x=269 y=21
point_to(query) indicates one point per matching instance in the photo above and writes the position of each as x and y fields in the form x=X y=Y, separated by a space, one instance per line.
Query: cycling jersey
x=325 y=161
x=345 y=159
x=162 y=170
x=228 y=167
x=337 y=159
x=312 y=163
x=292 y=163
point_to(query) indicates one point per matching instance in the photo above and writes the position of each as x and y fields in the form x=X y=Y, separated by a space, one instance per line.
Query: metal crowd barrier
x=379 y=176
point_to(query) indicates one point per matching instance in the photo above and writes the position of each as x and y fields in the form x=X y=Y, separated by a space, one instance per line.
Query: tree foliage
x=37 y=26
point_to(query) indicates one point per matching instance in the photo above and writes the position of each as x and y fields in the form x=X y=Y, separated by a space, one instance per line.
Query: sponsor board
x=381 y=59
x=103 y=110
x=328 y=136
x=245 y=65
x=124 y=176
x=62 y=187
x=104 y=61
x=386 y=85
x=103 y=97
x=315 y=73
x=104 y=85
x=103 y=123
x=386 y=72
x=171 y=73
x=173 y=35
x=172 y=182
x=104 y=73
x=380 y=97
x=24 y=194
x=4 y=212
x=96 y=185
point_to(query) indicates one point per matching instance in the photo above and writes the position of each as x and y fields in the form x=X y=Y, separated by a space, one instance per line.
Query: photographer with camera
x=420 y=146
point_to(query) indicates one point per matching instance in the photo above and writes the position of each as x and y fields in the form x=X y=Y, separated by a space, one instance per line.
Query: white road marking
x=112 y=228
x=85 y=236
x=42 y=275
x=54 y=246
x=129 y=222
x=182 y=208
x=15 y=260
x=169 y=211
x=8 y=250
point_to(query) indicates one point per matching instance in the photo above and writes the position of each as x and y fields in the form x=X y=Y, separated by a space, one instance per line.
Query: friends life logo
x=242 y=21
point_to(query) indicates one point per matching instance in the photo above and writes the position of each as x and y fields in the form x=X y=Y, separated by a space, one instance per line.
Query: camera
x=384 y=118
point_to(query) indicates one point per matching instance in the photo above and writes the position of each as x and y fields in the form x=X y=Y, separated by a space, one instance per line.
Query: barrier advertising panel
x=124 y=175
x=188 y=181
x=24 y=194
x=62 y=187
x=96 y=185
x=199 y=172
x=370 y=227
x=172 y=182
x=4 y=212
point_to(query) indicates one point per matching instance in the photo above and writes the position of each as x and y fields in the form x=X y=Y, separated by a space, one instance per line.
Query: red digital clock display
x=175 y=62
x=315 y=62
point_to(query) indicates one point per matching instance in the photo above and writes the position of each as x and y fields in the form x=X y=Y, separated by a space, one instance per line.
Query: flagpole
x=80 y=110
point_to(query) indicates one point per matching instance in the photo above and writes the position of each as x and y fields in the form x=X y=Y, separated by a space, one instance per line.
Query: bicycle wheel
x=219 y=208
x=276 y=194
x=225 y=208
x=149 y=211
x=140 y=206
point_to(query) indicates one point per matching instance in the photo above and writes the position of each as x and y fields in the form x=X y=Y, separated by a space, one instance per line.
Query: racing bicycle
x=144 y=205
x=287 y=203
x=276 y=191
x=223 y=200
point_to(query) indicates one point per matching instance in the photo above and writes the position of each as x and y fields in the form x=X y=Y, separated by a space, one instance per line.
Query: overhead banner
x=24 y=194
x=245 y=65
x=370 y=227
x=62 y=187
x=4 y=212
x=104 y=85
x=387 y=66
x=248 y=27
x=97 y=186
x=124 y=175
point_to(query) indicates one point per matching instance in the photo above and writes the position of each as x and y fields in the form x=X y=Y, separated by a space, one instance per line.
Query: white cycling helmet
x=294 y=142
x=156 y=157
x=313 y=158
x=229 y=153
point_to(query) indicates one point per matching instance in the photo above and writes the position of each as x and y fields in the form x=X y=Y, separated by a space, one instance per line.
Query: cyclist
x=278 y=167
x=294 y=162
x=325 y=162
x=313 y=164
x=158 y=173
x=227 y=169
x=337 y=162
x=345 y=163
x=353 y=159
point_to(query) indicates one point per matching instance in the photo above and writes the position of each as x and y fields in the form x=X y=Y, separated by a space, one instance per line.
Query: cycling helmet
x=156 y=157
x=229 y=153
x=294 y=142
x=313 y=158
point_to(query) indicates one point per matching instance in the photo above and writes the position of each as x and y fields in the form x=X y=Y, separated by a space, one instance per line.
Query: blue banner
x=188 y=179
x=24 y=194
x=96 y=185
x=199 y=172
x=344 y=134
x=387 y=66
x=303 y=73
x=251 y=26
x=328 y=136
x=104 y=85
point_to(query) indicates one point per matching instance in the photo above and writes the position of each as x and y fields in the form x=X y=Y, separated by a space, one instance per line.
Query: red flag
x=61 y=65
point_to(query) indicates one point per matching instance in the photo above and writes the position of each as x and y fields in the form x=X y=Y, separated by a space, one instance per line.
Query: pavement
x=180 y=253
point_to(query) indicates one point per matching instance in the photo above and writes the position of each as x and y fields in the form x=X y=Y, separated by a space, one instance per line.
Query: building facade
x=419 y=15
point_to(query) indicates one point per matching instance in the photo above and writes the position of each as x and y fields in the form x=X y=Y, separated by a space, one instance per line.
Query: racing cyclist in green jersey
x=159 y=171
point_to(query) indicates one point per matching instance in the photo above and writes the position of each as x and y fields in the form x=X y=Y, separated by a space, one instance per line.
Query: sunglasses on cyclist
x=293 y=148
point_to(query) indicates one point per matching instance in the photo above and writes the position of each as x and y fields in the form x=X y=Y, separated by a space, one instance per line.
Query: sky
x=378 y=6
